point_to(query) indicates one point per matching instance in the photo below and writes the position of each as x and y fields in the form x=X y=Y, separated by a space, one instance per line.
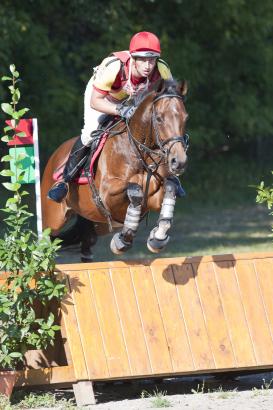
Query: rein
x=163 y=154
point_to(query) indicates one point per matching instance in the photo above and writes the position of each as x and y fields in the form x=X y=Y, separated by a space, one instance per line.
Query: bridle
x=184 y=139
x=162 y=154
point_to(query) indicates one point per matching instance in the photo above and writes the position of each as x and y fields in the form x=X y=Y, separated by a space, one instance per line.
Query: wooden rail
x=172 y=316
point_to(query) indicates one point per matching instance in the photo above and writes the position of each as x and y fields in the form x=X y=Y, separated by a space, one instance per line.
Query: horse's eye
x=158 y=119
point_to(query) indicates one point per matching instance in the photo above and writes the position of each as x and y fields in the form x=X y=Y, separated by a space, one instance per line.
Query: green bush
x=29 y=262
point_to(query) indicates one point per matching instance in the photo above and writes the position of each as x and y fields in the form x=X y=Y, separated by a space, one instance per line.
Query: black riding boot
x=72 y=168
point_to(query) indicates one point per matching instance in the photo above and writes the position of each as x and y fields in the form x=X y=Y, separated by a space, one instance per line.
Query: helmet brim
x=145 y=54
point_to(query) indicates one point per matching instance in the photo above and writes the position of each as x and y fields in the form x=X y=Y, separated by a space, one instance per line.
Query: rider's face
x=144 y=66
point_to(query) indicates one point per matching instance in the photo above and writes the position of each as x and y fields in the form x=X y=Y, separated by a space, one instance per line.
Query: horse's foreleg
x=159 y=237
x=123 y=240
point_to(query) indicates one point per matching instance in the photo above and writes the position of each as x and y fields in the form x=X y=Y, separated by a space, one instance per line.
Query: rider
x=119 y=76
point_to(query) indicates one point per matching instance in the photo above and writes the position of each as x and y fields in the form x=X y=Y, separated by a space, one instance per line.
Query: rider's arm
x=103 y=80
x=100 y=103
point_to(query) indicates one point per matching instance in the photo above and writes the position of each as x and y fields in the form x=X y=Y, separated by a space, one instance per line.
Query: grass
x=264 y=388
x=158 y=398
x=200 y=389
x=23 y=400
x=218 y=215
x=197 y=231
x=224 y=394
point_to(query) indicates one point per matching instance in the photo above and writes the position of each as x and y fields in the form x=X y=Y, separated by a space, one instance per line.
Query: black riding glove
x=126 y=111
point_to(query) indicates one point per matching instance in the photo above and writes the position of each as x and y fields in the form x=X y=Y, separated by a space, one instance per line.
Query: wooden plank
x=255 y=312
x=89 y=329
x=214 y=316
x=234 y=314
x=190 y=302
x=52 y=375
x=172 y=315
x=131 y=322
x=72 y=329
x=264 y=270
x=151 y=320
x=114 y=344
x=160 y=261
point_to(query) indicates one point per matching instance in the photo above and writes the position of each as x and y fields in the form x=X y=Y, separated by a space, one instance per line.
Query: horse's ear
x=183 y=88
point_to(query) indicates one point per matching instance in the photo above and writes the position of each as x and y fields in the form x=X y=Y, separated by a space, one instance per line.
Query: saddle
x=99 y=137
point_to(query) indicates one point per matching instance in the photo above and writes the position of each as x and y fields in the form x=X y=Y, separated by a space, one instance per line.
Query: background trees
x=224 y=50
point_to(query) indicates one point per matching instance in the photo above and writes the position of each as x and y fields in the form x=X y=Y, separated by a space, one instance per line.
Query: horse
x=134 y=174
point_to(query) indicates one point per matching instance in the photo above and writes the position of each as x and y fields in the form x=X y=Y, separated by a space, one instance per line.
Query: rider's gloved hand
x=126 y=111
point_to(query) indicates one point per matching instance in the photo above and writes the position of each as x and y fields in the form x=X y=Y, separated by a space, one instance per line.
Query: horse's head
x=163 y=117
x=168 y=121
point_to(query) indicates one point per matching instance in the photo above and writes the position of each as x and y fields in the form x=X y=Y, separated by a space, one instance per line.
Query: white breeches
x=91 y=116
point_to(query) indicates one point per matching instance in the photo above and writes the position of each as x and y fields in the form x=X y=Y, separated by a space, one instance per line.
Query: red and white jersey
x=111 y=77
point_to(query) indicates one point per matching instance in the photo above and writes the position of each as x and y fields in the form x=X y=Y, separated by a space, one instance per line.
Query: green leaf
x=23 y=111
x=6 y=138
x=8 y=128
x=6 y=158
x=15 y=115
x=5 y=78
x=21 y=134
x=49 y=283
x=7 y=173
x=12 y=68
x=11 y=187
x=15 y=354
x=16 y=74
x=7 y=108
x=12 y=201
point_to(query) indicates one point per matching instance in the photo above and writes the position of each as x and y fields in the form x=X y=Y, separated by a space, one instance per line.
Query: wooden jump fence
x=167 y=317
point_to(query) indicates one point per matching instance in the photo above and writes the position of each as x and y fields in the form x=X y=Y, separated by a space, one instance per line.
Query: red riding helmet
x=145 y=44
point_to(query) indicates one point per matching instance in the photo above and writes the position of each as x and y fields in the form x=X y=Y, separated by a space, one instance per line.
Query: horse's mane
x=161 y=87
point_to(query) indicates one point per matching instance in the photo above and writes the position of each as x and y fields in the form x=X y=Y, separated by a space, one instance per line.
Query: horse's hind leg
x=123 y=240
x=159 y=237
x=88 y=238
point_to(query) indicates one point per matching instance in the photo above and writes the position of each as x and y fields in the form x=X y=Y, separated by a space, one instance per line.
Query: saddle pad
x=57 y=176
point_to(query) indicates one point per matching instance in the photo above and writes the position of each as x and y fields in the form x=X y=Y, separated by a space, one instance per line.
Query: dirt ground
x=251 y=391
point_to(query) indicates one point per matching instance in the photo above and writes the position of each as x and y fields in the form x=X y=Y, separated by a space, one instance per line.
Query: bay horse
x=133 y=172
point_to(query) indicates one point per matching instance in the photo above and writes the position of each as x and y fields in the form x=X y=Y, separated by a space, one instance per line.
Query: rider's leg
x=77 y=156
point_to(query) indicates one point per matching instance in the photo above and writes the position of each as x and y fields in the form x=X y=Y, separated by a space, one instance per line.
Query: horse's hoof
x=117 y=246
x=155 y=245
x=87 y=258
x=114 y=249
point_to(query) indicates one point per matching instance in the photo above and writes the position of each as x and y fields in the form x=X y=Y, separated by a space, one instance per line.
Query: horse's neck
x=141 y=126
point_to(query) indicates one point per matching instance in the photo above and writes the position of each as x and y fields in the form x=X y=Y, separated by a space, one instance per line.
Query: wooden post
x=84 y=393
